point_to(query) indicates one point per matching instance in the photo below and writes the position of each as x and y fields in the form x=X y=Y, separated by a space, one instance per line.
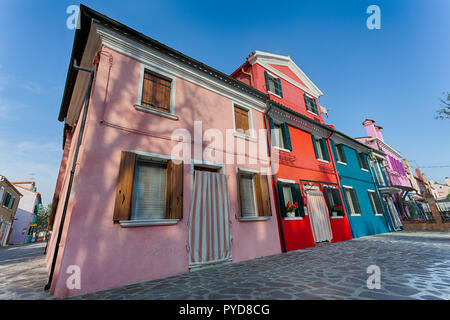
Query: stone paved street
x=22 y=272
x=414 y=265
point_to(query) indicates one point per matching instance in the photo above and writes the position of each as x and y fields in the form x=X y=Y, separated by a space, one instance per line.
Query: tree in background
x=42 y=217
x=444 y=112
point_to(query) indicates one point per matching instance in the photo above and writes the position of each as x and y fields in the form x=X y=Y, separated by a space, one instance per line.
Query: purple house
x=397 y=185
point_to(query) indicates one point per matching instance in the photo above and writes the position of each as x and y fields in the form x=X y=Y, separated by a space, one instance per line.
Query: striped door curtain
x=209 y=230
x=319 y=216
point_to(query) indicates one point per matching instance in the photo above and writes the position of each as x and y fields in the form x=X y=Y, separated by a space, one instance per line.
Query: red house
x=304 y=171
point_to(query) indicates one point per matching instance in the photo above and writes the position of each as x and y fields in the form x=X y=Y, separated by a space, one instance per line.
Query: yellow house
x=9 y=200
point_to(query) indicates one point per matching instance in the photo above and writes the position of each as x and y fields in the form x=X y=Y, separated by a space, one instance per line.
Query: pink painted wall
x=108 y=254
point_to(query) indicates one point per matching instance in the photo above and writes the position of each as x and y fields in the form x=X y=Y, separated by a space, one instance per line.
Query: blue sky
x=395 y=75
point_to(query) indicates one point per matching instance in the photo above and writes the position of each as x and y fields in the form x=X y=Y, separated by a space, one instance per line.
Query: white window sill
x=156 y=112
x=324 y=161
x=244 y=136
x=247 y=219
x=293 y=218
x=273 y=93
x=364 y=170
x=356 y=215
x=144 y=223
x=337 y=217
x=316 y=114
x=378 y=215
x=343 y=163
x=281 y=149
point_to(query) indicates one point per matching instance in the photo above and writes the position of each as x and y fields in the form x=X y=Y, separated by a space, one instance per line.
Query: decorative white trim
x=151 y=57
x=287 y=181
x=257 y=218
x=145 y=223
x=281 y=149
x=157 y=112
x=152 y=155
x=293 y=218
x=265 y=59
x=347 y=187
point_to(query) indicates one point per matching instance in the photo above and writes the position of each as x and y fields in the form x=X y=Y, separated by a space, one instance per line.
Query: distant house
x=398 y=185
x=25 y=219
x=440 y=191
x=9 y=201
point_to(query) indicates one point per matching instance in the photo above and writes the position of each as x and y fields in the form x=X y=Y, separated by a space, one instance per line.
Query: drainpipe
x=275 y=189
x=72 y=172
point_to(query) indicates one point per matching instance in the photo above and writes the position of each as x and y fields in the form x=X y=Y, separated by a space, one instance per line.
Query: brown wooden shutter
x=241 y=119
x=241 y=197
x=174 y=190
x=124 y=188
x=262 y=195
x=51 y=218
x=156 y=92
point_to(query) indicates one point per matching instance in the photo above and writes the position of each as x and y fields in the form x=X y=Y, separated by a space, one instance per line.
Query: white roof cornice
x=265 y=59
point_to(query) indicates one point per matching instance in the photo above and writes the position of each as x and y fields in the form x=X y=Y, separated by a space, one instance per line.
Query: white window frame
x=157 y=71
x=10 y=194
x=278 y=123
x=286 y=181
x=318 y=107
x=350 y=203
x=373 y=203
x=319 y=149
x=367 y=162
x=337 y=154
x=150 y=222
x=239 y=215
x=252 y=134
x=274 y=76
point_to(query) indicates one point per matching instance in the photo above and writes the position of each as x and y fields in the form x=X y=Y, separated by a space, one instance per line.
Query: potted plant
x=290 y=209
x=337 y=210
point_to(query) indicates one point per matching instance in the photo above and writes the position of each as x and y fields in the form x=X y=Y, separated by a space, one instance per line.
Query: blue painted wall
x=352 y=175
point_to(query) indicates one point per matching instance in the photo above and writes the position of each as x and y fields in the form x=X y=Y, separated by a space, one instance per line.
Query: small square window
x=362 y=159
x=311 y=104
x=340 y=153
x=274 y=85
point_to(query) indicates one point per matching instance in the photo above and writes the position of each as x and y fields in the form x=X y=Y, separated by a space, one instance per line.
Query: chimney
x=419 y=174
x=379 y=134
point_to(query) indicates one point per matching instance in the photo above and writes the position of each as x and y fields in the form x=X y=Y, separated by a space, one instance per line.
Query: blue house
x=360 y=176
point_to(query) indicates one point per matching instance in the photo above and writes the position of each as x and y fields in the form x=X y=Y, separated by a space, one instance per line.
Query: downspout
x=275 y=189
x=72 y=172
x=248 y=74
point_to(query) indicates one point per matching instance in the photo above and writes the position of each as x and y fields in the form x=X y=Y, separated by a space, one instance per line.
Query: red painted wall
x=302 y=165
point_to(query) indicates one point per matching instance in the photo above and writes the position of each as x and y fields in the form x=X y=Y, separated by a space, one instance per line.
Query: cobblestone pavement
x=22 y=272
x=414 y=265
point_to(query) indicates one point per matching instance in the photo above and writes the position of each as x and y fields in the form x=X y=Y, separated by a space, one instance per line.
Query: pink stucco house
x=129 y=206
